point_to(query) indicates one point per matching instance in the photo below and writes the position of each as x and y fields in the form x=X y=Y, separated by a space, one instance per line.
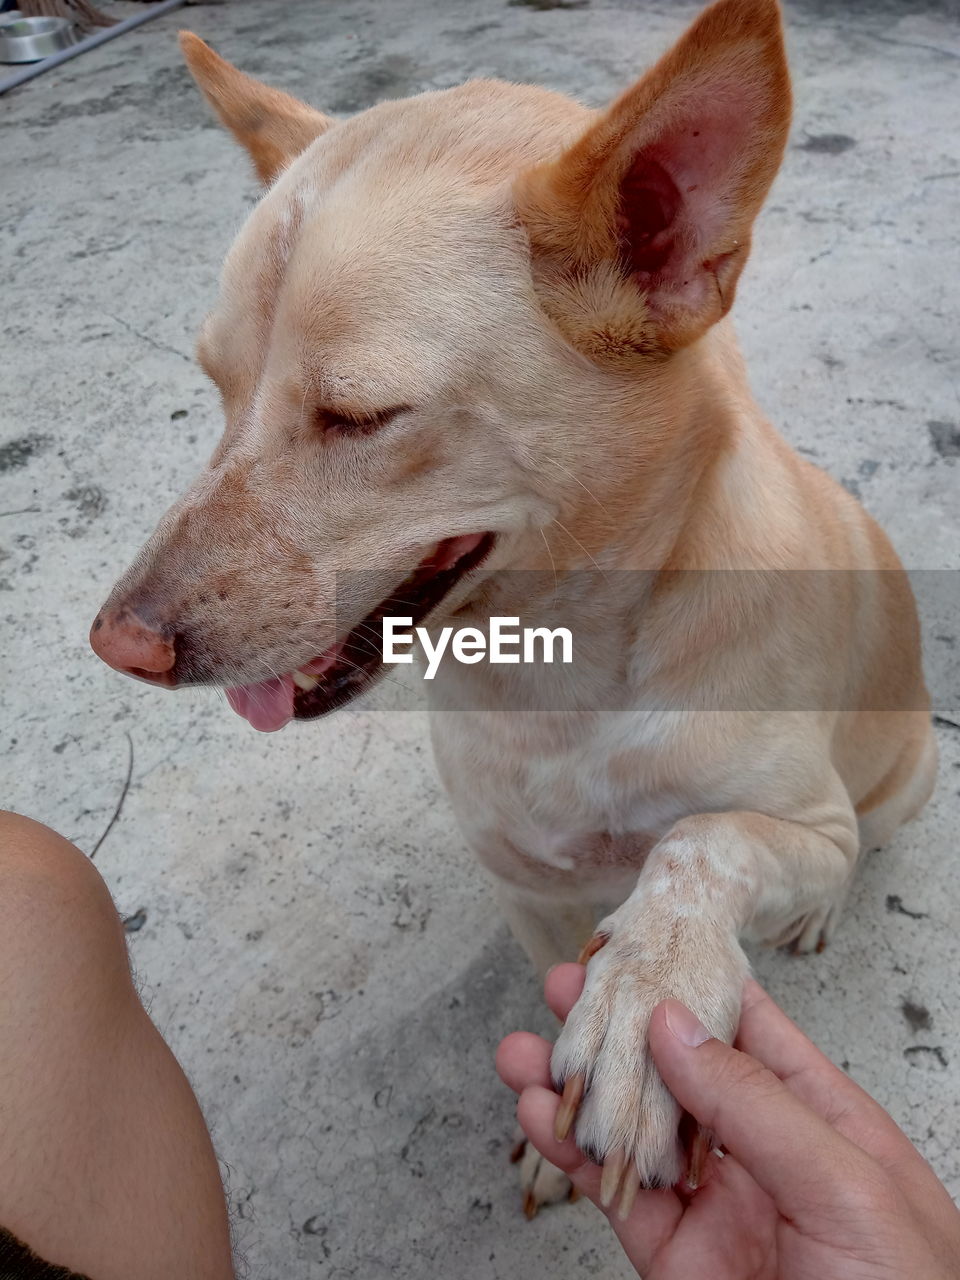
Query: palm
x=731 y=1230
x=728 y=1231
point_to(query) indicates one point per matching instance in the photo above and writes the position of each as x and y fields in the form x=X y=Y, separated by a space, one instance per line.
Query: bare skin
x=817 y=1179
x=106 y=1166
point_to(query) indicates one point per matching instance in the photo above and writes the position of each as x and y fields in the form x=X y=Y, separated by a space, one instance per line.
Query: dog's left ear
x=273 y=126
x=640 y=230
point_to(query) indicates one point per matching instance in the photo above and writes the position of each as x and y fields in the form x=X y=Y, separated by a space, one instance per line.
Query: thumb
x=794 y=1155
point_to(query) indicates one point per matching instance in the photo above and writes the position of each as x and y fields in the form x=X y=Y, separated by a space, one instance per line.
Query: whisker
x=576 y=479
x=582 y=548
x=556 y=580
x=365 y=626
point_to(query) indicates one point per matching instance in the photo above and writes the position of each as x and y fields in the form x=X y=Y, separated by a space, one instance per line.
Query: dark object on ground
x=78 y=11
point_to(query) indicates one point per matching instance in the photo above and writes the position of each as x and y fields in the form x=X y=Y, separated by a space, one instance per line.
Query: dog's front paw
x=625 y=1117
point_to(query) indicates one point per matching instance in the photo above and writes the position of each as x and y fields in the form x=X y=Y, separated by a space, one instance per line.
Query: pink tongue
x=268 y=705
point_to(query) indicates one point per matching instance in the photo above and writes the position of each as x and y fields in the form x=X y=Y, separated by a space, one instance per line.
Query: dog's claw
x=700 y=1148
x=574 y=1195
x=572 y=1096
x=628 y=1191
x=613 y=1168
x=530 y=1205
x=517 y=1150
x=591 y=947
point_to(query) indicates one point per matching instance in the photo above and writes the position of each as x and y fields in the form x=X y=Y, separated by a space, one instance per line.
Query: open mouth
x=351 y=665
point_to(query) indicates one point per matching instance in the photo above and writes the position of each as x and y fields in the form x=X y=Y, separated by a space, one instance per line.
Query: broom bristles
x=81 y=13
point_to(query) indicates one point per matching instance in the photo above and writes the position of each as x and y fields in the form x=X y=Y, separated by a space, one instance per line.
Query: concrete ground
x=310 y=934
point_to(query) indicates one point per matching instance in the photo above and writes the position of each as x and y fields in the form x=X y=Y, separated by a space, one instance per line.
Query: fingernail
x=684 y=1025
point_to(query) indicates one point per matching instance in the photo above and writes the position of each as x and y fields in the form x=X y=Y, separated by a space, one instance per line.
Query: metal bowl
x=33 y=39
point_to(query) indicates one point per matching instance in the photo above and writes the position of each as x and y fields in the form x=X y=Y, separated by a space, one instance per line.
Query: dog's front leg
x=712 y=878
x=549 y=933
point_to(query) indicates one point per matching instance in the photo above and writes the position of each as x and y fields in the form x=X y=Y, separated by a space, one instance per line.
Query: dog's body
x=490 y=309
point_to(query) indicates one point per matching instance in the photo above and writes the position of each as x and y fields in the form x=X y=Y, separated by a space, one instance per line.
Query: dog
x=485 y=330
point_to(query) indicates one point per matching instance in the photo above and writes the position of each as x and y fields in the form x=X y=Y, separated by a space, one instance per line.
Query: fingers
x=563 y=986
x=537 y=1113
x=768 y=1035
x=643 y=1222
x=523 y=1059
x=790 y=1151
x=652 y=1216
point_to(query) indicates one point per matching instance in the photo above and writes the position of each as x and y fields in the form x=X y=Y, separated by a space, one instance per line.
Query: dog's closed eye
x=348 y=422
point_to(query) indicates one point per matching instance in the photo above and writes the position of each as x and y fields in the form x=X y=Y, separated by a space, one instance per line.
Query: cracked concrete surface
x=309 y=932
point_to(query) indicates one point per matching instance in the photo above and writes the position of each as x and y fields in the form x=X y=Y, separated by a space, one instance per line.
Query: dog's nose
x=126 y=643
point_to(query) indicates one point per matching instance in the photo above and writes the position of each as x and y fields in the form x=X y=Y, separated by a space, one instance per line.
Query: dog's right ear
x=272 y=126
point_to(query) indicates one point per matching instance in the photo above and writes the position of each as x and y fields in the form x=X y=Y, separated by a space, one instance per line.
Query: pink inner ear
x=675 y=197
x=649 y=204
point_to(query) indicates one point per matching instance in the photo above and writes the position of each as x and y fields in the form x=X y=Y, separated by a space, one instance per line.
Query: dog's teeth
x=304 y=682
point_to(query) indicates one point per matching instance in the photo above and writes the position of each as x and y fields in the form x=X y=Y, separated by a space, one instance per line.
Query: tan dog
x=483 y=330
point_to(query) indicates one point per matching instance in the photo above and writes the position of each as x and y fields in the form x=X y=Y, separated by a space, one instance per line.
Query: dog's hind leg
x=902 y=793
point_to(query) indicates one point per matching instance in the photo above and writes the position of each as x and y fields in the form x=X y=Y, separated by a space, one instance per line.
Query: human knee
x=50 y=890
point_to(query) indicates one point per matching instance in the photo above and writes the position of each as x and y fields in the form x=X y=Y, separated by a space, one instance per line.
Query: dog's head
x=448 y=324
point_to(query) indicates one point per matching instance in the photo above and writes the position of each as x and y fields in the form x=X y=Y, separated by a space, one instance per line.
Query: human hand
x=818 y=1181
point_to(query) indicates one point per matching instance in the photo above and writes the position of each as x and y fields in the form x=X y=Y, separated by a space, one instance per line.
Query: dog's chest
x=545 y=805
